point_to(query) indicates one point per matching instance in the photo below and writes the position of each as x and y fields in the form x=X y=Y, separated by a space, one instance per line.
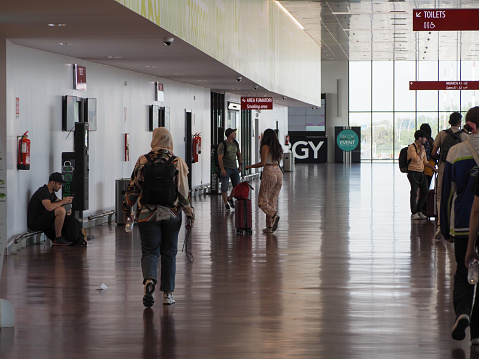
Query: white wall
x=337 y=98
x=40 y=79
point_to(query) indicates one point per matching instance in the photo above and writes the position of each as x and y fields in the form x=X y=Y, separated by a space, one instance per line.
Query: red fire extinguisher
x=23 y=152
x=286 y=142
x=196 y=146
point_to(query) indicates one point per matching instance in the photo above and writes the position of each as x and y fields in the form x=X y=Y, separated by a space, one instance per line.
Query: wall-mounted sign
x=159 y=94
x=256 y=103
x=79 y=77
x=347 y=140
x=308 y=147
x=445 y=19
x=443 y=85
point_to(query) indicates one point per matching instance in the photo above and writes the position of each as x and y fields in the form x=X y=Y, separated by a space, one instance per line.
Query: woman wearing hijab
x=159 y=224
x=271 y=154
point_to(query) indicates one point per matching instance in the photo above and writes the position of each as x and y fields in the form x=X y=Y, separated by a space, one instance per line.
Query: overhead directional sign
x=256 y=103
x=445 y=19
x=443 y=85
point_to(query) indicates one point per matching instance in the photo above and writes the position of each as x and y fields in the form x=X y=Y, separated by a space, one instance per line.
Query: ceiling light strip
x=289 y=14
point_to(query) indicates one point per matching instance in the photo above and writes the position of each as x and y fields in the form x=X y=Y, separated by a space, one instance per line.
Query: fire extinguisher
x=23 y=152
x=286 y=142
x=196 y=146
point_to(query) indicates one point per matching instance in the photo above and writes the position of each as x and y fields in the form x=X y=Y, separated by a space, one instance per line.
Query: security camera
x=168 y=41
x=239 y=78
x=255 y=88
x=284 y=98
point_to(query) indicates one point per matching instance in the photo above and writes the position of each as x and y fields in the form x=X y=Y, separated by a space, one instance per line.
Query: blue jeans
x=235 y=178
x=417 y=181
x=160 y=238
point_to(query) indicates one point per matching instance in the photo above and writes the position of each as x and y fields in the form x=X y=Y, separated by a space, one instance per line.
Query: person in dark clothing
x=428 y=145
x=46 y=212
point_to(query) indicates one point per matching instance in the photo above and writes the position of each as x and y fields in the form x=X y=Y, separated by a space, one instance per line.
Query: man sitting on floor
x=46 y=212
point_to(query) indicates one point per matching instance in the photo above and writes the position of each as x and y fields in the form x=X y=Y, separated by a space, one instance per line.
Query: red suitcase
x=243 y=216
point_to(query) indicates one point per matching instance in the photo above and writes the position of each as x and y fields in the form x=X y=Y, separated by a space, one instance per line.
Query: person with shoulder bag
x=443 y=142
x=460 y=173
x=159 y=184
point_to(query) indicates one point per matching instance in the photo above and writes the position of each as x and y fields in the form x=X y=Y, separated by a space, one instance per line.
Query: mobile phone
x=67 y=206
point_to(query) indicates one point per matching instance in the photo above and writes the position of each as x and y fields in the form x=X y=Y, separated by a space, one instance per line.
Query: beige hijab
x=162 y=140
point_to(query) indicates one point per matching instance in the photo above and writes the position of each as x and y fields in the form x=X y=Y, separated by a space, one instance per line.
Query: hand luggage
x=431 y=206
x=242 y=190
x=243 y=216
x=431 y=199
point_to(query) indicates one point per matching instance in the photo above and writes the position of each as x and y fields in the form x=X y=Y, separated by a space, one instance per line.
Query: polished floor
x=347 y=275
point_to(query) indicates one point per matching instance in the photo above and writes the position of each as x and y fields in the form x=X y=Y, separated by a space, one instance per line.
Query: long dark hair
x=269 y=138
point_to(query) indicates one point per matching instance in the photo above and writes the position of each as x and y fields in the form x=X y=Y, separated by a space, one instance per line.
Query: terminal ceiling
x=105 y=32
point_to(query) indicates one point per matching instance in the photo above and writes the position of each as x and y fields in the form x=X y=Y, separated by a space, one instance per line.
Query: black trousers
x=463 y=291
x=418 y=181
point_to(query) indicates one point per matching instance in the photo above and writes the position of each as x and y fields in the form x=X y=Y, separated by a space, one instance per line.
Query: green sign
x=347 y=140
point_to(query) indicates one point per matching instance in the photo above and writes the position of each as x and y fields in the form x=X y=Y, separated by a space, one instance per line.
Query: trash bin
x=288 y=162
x=121 y=186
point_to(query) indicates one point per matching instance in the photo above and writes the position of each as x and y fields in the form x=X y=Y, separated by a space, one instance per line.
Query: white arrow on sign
x=418 y=14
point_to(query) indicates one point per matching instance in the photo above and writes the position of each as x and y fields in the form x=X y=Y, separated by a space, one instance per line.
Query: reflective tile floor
x=347 y=275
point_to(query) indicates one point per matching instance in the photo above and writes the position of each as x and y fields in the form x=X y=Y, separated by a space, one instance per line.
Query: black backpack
x=451 y=139
x=159 y=185
x=215 y=151
x=403 y=161
x=72 y=231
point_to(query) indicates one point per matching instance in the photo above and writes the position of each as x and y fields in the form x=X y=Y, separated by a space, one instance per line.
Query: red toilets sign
x=445 y=19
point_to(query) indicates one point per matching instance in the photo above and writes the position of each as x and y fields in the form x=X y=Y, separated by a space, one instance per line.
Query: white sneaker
x=268 y=230
x=438 y=234
x=168 y=298
x=415 y=216
x=422 y=216
x=148 y=298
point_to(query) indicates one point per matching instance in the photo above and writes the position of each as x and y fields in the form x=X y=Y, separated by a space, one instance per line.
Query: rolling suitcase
x=243 y=216
x=431 y=207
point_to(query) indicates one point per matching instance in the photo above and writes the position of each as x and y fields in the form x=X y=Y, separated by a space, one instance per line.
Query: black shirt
x=476 y=186
x=36 y=207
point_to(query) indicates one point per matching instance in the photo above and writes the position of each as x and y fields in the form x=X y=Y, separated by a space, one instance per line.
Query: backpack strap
x=473 y=152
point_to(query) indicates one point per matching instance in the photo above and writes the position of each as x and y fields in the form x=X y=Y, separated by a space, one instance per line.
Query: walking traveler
x=159 y=184
x=271 y=154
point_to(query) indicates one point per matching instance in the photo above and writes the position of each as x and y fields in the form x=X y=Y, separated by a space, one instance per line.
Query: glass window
x=430 y=118
x=449 y=71
x=382 y=136
x=468 y=73
x=382 y=85
x=363 y=120
x=427 y=100
x=427 y=71
x=404 y=99
x=404 y=128
x=360 y=86
x=449 y=100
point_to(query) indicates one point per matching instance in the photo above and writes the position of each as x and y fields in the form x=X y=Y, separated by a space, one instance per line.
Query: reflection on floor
x=346 y=275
